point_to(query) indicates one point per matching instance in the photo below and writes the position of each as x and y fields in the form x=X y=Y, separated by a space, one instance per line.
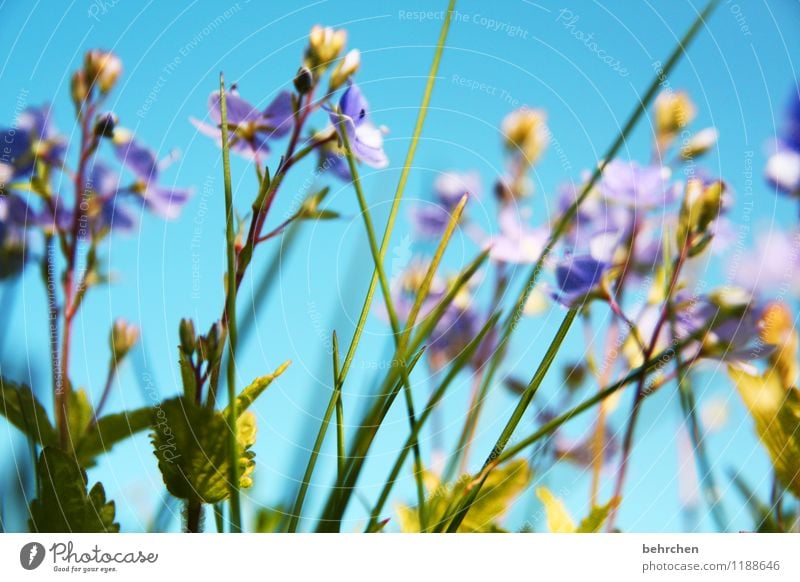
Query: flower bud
x=701 y=206
x=104 y=125
x=102 y=68
x=303 y=80
x=674 y=110
x=79 y=88
x=324 y=45
x=526 y=133
x=123 y=337
x=188 y=336
x=699 y=143
x=346 y=68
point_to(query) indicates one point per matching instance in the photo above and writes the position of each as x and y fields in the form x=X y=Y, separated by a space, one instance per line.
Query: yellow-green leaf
x=190 y=443
x=255 y=388
x=597 y=517
x=776 y=412
x=558 y=518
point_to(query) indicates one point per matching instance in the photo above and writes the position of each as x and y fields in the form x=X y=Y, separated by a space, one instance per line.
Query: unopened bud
x=701 y=206
x=79 y=88
x=123 y=337
x=525 y=132
x=699 y=143
x=674 y=110
x=303 y=80
x=188 y=336
x=346 y=68
x=103 y=68
x=324 y=45
x=104 y=125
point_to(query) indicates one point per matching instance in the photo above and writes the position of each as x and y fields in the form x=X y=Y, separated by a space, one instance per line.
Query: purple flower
x=517 y=243
x=250 y=129
x=636 y=186
x=163 y=201
x=773 y=265
x=366 y=140
x=34 y=137
x=450 y=187
x=430 y=220
x=577 y=276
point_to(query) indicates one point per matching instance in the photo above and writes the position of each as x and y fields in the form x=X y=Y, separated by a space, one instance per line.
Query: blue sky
x=500 y=55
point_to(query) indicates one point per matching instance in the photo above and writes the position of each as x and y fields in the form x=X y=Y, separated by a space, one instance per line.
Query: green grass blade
x=230 y=312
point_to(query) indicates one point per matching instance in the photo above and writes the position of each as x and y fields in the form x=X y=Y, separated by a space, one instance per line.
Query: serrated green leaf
x=63 y=504
x=776 y=412
x=255 y=388
x=502 y=487
x=190 y=443
x=110 y=430
x=20 y=406
x=558 y=518
x=597 y=517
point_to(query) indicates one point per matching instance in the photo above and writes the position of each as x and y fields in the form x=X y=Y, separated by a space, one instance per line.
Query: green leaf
x=597 y=517
x=110 y=430
x=501 y=489
x=255 y=388
x=558 y=518
x=270 y=520
x=190 y=443
x=20 y=406
x=63 y=504
x=776 y=412
x=80 y=414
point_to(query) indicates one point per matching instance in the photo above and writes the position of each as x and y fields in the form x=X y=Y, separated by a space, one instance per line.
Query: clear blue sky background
x=740 y=72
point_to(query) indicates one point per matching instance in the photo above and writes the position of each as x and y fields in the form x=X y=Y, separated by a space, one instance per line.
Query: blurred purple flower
x=250 y=129
x=429 y=221
x=34 y=137
x=366 y=140
x=636 y=186
x=450 y=187
x=517 y=243
x=163 y=201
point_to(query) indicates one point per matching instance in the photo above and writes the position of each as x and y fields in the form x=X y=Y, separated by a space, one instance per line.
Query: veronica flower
x=15 y=216
x=250 y=130
x=450 y=187
x=783 y=166
x=163 y=201
x=366 y=140
x=773 y=264
x=517 y=243
x=34 y=137
x=636 y=186
x=577 y=276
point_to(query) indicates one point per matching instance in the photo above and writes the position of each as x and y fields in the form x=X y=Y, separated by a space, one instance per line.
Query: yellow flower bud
x=102 y=68
x=123 y=337
x=674 y=110
x=525 y=131
x=79 y=88
x=701 y=206
x=345 y=69
x=699 y=143
x=324 y=45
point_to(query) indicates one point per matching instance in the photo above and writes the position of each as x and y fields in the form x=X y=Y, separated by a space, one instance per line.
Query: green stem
x=230 y=313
